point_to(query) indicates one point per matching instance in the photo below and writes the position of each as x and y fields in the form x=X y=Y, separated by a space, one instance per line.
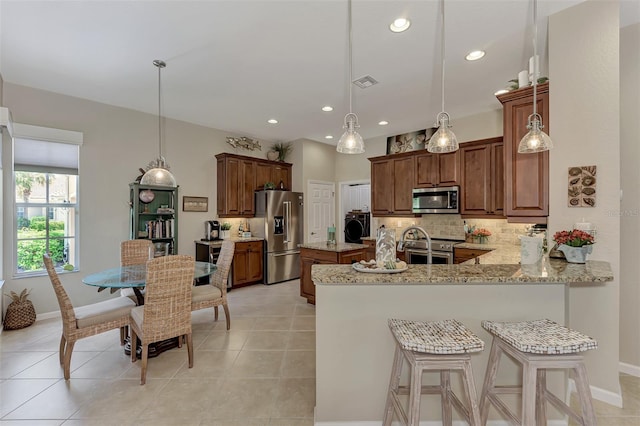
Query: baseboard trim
x=600 y=394
x=633 y=370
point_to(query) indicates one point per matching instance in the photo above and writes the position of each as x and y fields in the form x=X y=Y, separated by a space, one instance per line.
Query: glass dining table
x=134 y=277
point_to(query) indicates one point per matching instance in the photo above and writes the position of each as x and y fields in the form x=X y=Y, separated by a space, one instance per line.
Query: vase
x=575 y=254
x=225 y=234
x=272 y=155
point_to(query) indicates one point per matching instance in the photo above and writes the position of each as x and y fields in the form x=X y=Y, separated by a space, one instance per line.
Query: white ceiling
x=233 y=64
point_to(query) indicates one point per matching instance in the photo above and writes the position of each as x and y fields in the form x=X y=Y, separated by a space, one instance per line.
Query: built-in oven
x=416 y=252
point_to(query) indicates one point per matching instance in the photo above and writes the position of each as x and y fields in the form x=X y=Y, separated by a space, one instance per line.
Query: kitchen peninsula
x=354 y=348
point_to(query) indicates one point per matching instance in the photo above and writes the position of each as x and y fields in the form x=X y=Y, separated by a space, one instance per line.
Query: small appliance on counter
x=211 y=230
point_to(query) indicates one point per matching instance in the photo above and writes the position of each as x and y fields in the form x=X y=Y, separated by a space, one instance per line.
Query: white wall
x=584 y=125
x=117 y=142
x=630 y=205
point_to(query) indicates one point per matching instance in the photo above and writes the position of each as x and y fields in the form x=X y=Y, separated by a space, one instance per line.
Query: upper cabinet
x=392 y=180
x=482 y=178
x=526 y=175
x=437 y=169
x=238 y=177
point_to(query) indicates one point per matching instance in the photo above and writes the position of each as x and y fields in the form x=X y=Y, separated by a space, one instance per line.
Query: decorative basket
x=19 y=315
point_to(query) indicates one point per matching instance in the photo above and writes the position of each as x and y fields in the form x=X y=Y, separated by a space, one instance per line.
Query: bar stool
x=432 y=346
x=537 y=345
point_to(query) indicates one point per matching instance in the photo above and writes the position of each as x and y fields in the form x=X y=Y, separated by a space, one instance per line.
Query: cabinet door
x=263 y=175
x=476 y=179
x=426 y=173
x=254 y=262
x=403 y=180
x=282 y=173
x=526 y=175
x=350 y=257
x=239 y=266
x=497 y=179
x=228 y=183
x=247 y=178
x=448 y=168
x=382 y=187
x=307 y=289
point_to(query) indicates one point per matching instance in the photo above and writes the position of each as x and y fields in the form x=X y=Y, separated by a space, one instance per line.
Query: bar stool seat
x=432 y=346
x=538 y=345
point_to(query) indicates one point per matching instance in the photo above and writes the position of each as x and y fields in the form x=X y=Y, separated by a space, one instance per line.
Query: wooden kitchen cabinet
x=238 y=177
x=247 y=267
x=526 y=175
x=310 y=257
x=463 y=254
x=482 y=178
x=392 y=180
x=437 y=169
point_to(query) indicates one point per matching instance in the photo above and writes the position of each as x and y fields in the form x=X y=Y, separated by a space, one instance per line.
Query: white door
x=321 y=201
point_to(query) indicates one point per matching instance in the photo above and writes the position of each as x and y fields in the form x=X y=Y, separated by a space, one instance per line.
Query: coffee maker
x=212 y=230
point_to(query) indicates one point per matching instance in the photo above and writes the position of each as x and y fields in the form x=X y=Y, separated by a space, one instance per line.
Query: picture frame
x=195 y=204
x=411 y=141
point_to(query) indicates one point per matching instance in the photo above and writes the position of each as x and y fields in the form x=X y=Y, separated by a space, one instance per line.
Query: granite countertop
x=549 y=271
x=338 y=247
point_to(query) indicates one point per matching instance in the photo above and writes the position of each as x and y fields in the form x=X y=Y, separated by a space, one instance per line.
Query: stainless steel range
x=416 y=251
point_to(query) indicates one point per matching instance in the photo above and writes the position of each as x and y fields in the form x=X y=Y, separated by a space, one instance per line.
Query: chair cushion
x=435 y=337
x=128 y=292
x=137 y=315
x=100 y=312
x=540 y=337
x=201 y=293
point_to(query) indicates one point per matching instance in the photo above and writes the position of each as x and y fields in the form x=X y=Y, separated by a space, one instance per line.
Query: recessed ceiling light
x=475 y=55
x=328 y=137
x=272 y=121
x=327 y=108
x=383 y=123
x=501 y=92
x=399 y=25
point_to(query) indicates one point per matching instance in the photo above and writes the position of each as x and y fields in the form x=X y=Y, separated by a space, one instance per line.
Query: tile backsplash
x=452 y=226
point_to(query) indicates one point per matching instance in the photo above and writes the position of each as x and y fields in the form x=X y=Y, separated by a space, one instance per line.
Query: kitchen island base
x=354 y=349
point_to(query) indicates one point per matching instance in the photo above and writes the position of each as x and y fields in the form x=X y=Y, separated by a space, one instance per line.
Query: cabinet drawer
x=320 y=256
x=351 y=257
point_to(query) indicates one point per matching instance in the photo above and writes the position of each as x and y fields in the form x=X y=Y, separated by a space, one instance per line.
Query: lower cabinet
x=463 y=254
x=310 y=257
x=247 y=267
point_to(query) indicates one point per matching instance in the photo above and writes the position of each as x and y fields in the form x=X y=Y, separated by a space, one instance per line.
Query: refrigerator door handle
x=289 y=253
x=287 y=220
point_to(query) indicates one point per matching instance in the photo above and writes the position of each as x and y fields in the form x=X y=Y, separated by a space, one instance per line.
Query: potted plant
x=283 y=149
x=224 y=230
x=575 y=244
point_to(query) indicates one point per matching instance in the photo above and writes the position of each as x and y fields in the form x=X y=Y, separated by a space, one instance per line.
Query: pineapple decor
x=20 y=312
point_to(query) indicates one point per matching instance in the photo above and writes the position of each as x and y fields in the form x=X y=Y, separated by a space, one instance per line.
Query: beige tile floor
x=261 y=373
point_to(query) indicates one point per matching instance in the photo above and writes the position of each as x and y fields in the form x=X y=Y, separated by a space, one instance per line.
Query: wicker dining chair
x=87 y=320
x=215 y=293
x=166 y=312
x=134 y=252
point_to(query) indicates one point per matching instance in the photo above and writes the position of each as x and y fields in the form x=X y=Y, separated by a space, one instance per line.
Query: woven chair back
x=223 y=266
x=167 y=307
x=135 y=252
x=66 y=308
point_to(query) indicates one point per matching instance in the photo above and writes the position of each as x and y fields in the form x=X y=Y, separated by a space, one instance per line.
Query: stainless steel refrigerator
x=279 y=221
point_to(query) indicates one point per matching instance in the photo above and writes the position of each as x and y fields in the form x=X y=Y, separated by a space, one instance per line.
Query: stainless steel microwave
x=436 y=200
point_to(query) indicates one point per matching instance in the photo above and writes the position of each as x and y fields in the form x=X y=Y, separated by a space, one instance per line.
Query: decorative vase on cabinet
x=575 y=254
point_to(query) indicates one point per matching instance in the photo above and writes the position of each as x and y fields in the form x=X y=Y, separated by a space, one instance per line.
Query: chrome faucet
x=413 y=230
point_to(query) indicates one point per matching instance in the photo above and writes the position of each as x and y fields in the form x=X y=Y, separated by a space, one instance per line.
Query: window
x=45 y=181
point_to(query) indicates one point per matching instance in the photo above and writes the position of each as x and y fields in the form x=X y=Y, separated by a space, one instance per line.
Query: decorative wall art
x=409 y=141
x=582 y=186
x=195 y=204
x=244 y=143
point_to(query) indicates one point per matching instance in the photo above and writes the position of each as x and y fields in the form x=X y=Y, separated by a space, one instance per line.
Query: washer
x=356 y=226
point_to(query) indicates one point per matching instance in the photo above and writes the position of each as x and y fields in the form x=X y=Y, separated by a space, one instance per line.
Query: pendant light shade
x=443 y=140
x=350 y=142
x=535 y=140
x=158 y=173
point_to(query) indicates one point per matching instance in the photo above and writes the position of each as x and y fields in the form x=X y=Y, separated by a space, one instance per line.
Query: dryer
x=356 y=226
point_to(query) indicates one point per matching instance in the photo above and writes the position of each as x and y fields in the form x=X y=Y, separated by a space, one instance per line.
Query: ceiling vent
x=365 y=82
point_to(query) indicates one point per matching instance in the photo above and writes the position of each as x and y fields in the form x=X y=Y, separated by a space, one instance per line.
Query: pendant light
x=443 y=140
x=535 y=140
x=350 y=142
x=158 y=173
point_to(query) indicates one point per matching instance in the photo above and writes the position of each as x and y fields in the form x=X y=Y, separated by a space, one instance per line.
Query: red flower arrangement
x=481 y=232
x=573 y=238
